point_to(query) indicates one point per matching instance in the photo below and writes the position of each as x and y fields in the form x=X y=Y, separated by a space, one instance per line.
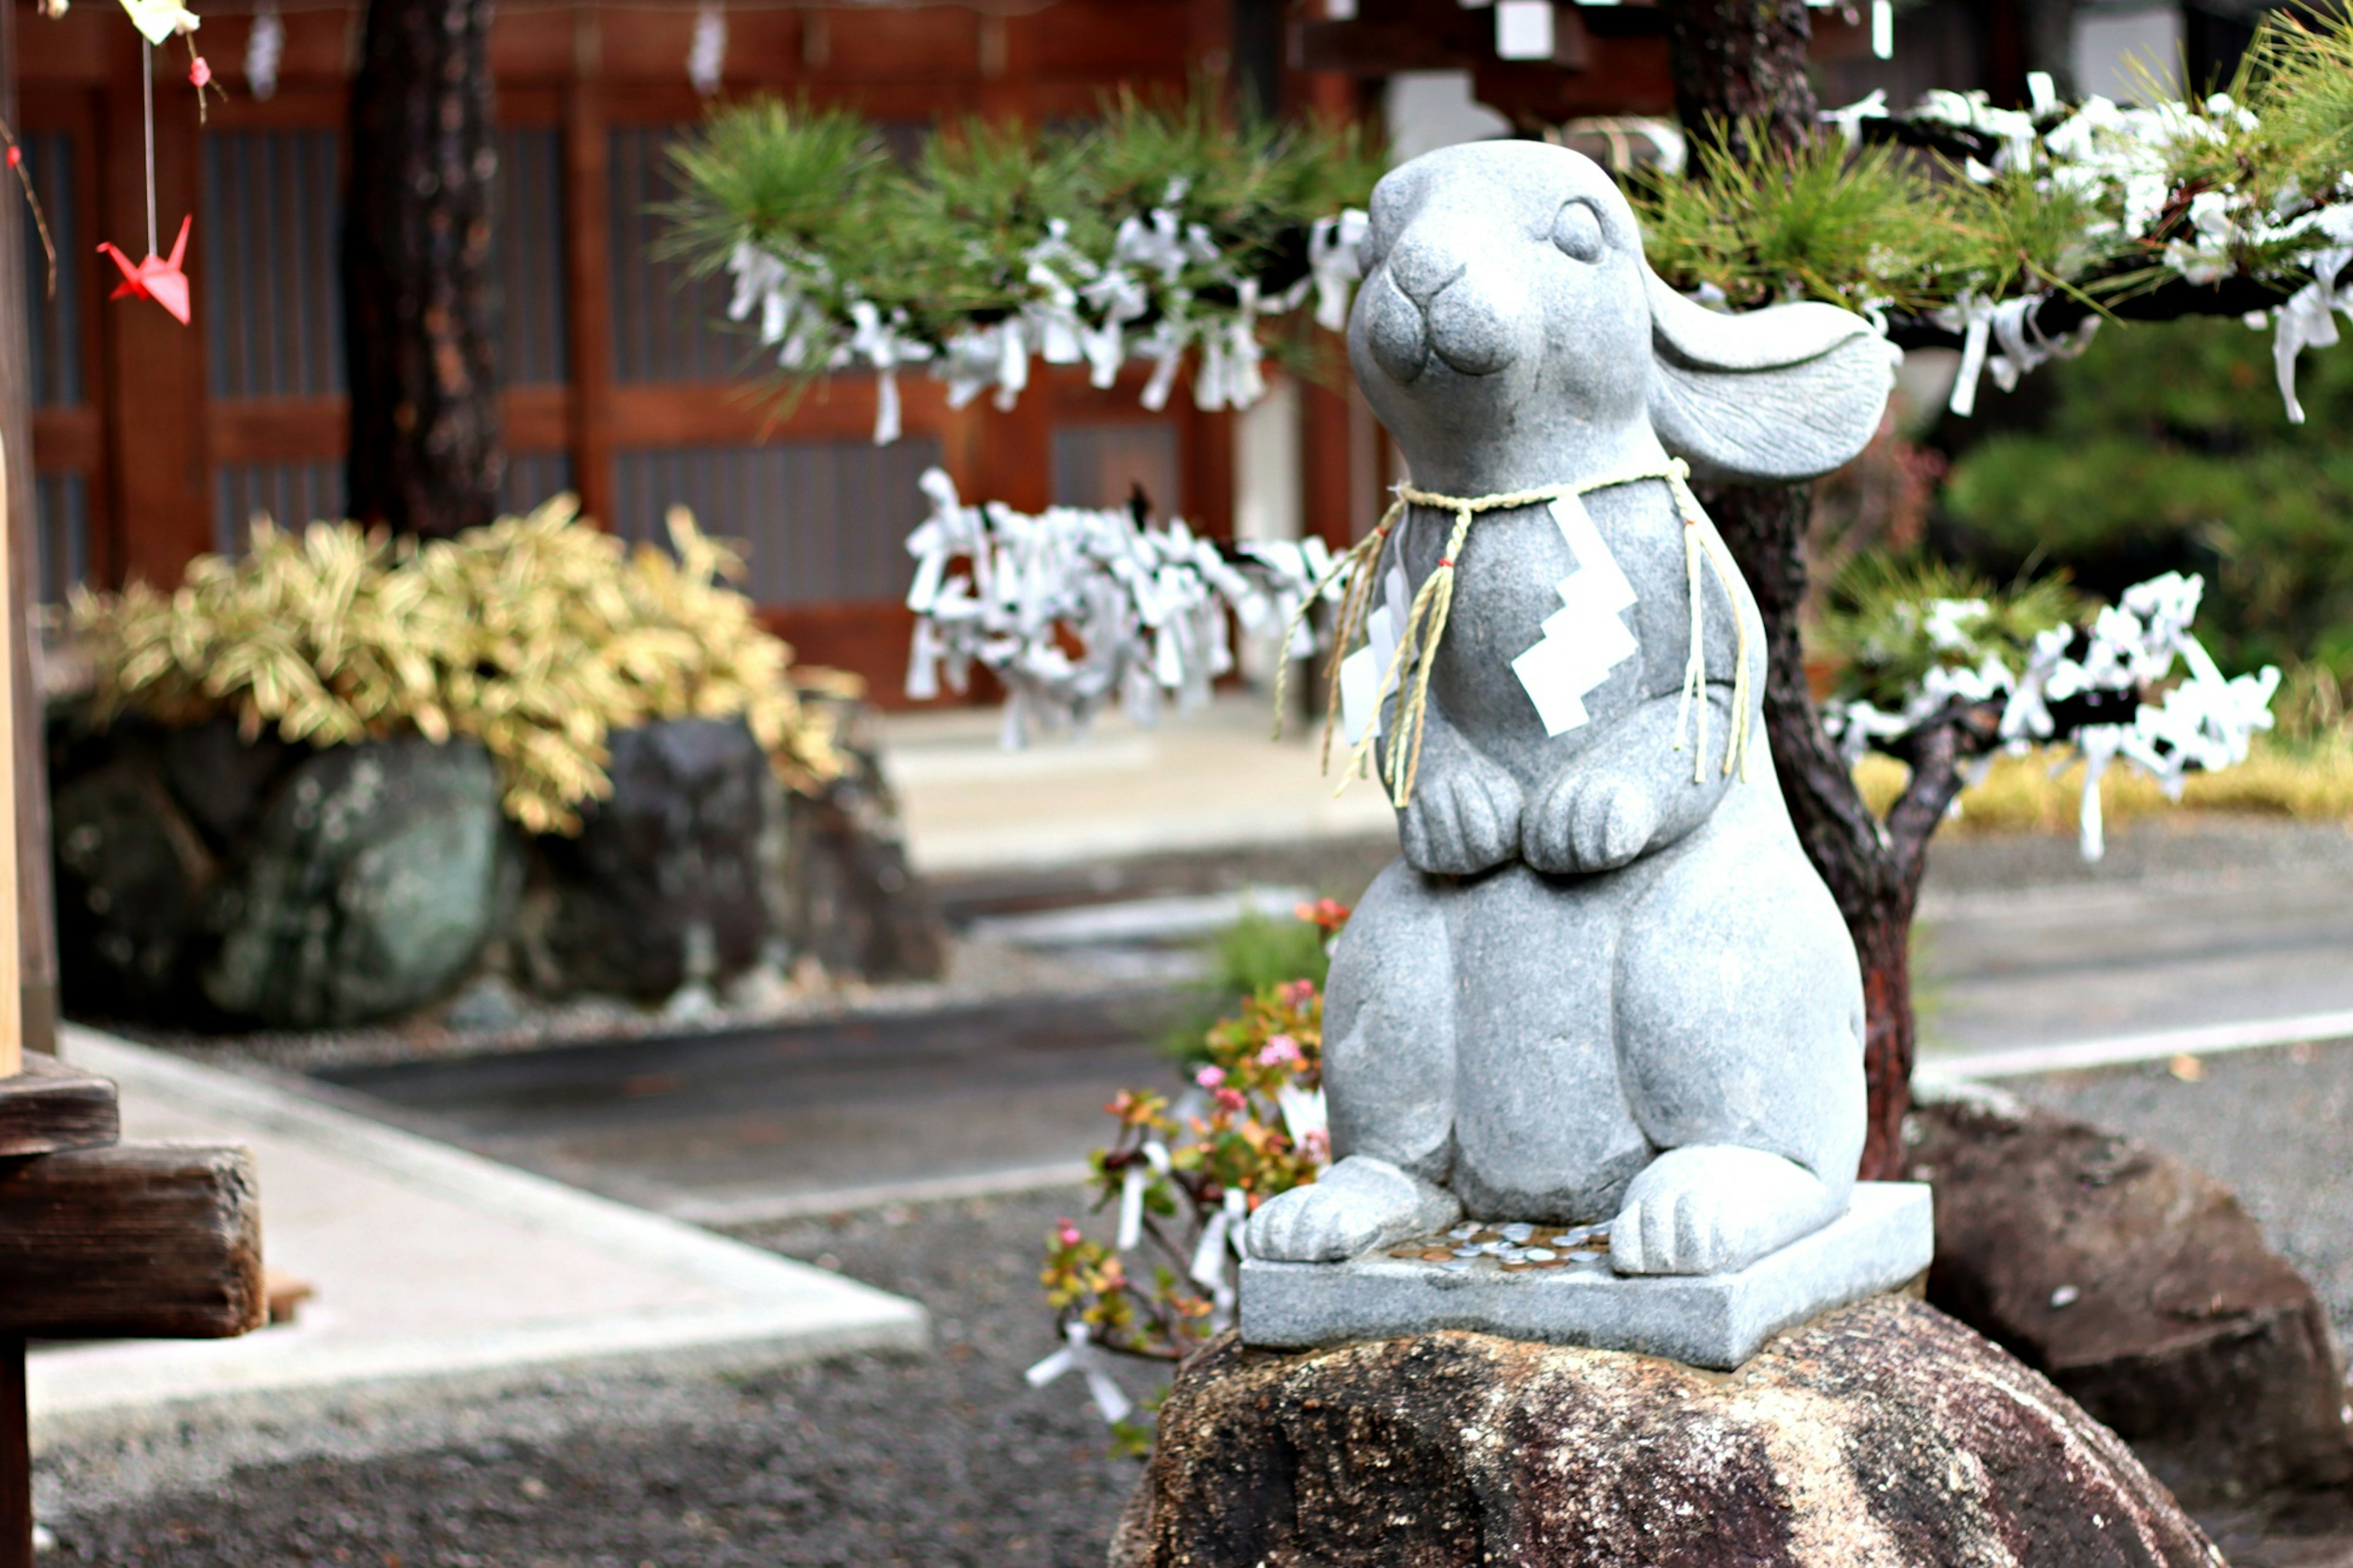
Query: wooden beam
x=137 y=1241
x=15 y=1459
x=154 y=366
x=588 y=269
x=316 y=428
x=50 y=1107
x=29 y=970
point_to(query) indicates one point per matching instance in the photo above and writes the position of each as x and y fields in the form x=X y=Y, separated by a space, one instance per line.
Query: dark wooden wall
x=155 y=442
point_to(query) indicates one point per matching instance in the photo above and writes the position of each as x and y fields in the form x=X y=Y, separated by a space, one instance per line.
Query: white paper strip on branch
x=1083 y=309
x=2124 y=162
x=1072 y=609
x=2076 y=677
x=2204 y=721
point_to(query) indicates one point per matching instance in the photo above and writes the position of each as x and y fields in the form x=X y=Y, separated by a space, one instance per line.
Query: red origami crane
x=157 y=278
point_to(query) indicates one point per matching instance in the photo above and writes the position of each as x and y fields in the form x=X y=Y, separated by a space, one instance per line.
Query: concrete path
x=1210 y=780
x=434 y=1268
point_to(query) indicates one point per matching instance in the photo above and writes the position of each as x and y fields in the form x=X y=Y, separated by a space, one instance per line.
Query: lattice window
x=825 y=520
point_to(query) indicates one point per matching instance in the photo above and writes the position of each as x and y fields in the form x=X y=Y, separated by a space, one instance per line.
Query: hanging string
x=147 y=95
x=32 y=198
x=1432 y=607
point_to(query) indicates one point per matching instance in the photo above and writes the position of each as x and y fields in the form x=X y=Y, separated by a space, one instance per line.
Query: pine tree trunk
x=417 y=291
x=1740 y=67
x=1740 y=77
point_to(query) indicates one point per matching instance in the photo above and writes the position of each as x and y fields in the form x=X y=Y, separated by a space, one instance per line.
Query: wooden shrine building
x=155 y=442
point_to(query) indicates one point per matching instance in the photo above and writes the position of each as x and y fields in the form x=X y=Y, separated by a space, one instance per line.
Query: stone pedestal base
x=1885 y=1237
x=1881 y=1433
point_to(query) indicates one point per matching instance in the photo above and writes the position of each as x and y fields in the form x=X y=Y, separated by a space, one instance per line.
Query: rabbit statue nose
x=1428 y=299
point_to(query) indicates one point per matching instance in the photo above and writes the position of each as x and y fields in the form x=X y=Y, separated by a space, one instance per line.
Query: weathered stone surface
x=1604 y=979
x=1883 y=1241
x=850 y=900
x=368 y=887
x=1882 y=1434
x=132 y=876
x=701 y=865
x=665 y=883
x=2140 y=1286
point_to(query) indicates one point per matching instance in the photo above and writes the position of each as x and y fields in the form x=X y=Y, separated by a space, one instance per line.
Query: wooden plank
x=50 y=1107
x=726 y=413
x=15 y=1459
x=154 y=378
x=27 y=1014
x=141 y=1240
x=68 y=440
x=869 y=639
x=588 y=270
x=314 y=429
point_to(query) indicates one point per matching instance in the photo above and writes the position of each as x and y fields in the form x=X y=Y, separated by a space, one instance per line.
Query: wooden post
x=12 y=1021
x=586 y=235
x=28 y=963
x=15 y=1459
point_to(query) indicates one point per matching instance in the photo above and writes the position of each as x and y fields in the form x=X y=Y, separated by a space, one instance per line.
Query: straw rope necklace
x=1409 y=669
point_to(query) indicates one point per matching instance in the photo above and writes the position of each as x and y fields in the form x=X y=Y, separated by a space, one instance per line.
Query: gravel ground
x=947 y=1459
x=2276 y=1126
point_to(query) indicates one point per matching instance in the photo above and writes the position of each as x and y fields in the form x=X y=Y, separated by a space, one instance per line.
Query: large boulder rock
x=1884 y=1433
x=852 y=901
x=701 y=865
x=367 y=887
x=2139 y=1285
x=666 y=881
x=132 y=875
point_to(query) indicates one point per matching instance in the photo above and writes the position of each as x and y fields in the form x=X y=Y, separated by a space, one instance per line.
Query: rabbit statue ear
x=1770 y=396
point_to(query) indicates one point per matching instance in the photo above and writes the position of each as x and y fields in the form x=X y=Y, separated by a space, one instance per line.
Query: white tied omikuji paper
x=2206 y=721
x=1082 y=310
x=2104 y=153
x=1146 y=608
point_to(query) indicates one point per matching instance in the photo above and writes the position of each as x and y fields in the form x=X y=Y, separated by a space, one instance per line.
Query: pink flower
x=1066 y=1233
x=200 y=73
x=1211 y=1077
x=1231 y=1100
x=1298 y=993
x=1279 y=1048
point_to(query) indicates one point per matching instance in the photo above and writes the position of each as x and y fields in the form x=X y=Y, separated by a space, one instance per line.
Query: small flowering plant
x=1185 y=1178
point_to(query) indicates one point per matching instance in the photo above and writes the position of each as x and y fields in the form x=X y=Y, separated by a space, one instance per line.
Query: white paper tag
x=1549 y=673
x=1359 y=713
x=1585 y=639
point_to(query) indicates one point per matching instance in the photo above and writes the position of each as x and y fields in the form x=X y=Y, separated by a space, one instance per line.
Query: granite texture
x=1882 y=1434
x=1603 y=980
x=2138 y=1284
x=1885 y=1238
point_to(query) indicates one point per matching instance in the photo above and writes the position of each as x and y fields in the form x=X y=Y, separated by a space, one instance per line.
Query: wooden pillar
x=16 y=1457
x=28 y=957
x=155 y=372
x=588 y=269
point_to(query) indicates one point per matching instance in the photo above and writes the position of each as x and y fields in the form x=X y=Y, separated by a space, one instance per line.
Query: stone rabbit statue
x=1603 y=982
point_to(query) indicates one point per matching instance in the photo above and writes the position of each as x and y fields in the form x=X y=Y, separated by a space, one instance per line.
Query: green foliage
x=792 y=174
x=536 y=635
x=947 y=241
x=2165 y=449
x=1259 y=950
x=1237 y=1141
x=1890 y=619
x=1813 y=223
x=1916 y=232
x=1254 y=953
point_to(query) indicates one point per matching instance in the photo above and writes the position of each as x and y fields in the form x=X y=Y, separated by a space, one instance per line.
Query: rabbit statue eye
x=1577 y=231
